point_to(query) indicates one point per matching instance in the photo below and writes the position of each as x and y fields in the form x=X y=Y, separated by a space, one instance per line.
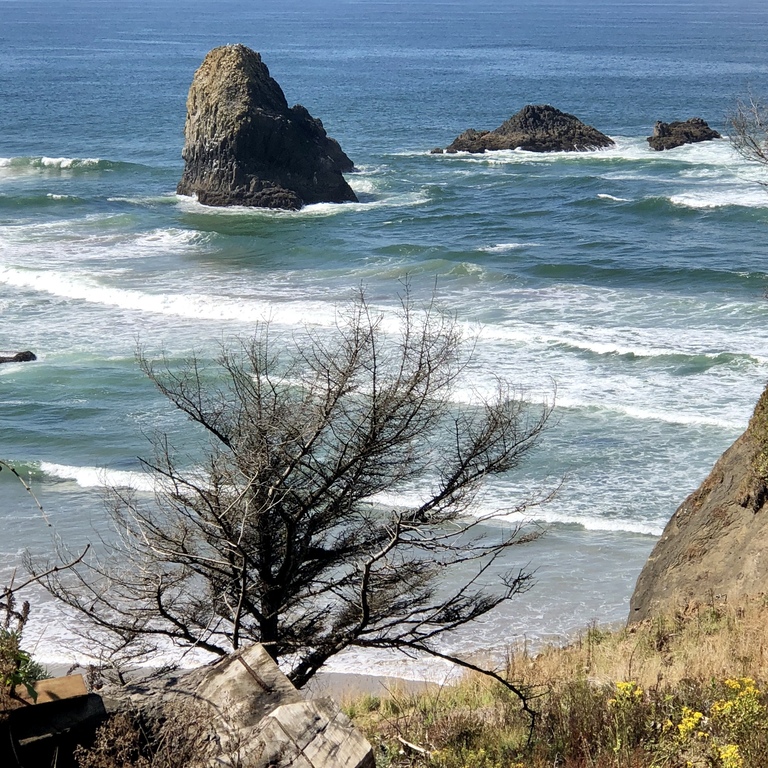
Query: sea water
x=628 y=283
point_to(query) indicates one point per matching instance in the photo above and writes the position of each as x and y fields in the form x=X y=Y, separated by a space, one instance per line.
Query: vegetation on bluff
x=688 y=692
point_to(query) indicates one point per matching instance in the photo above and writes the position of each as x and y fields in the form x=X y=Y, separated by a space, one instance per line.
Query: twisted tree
x=286 y=532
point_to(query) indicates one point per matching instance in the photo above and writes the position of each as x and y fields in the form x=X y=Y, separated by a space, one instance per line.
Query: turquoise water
x=630 y=280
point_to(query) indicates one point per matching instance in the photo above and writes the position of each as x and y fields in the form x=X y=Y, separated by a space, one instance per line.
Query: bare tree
x=749 y=130
x=283 y=535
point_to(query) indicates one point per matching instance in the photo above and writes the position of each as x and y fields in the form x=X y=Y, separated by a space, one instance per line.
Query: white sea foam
x=714 y=197
x=188 y=305
x=64 y=162
x=363 y=185
x=146 y=200
x=498 y=509
x=504 y=247
x=92 y=238
x=169 y=239
x=651 y=414
x=191 y=205
x=615 y=199
x=653 y=342
x=596 y=523
x=100 y=477
x=634 y=149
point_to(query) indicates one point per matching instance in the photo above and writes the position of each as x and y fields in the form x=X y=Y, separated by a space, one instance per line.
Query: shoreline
x=340 y=686
x=345 y=686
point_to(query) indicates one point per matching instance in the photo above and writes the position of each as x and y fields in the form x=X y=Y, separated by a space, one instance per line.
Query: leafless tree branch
x=280 y=535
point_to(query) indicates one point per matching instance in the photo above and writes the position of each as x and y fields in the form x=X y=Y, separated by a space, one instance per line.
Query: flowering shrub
x=729 y=737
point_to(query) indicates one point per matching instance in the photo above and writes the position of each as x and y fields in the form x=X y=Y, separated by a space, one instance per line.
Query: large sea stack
x=536 y=128
x=245 y=146
x=677 y=133
x=715 y=546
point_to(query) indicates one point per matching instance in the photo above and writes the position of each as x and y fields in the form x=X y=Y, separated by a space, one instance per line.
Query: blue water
x=631 y=281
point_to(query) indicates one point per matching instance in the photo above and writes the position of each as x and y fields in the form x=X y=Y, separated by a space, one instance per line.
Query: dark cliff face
x=245 y=146
x=536 y=128
x=675 y=134
x=715 y=546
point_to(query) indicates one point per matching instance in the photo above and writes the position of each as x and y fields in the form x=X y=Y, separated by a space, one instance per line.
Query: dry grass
x=182 y=738
x=710 y=641
x=685 y=692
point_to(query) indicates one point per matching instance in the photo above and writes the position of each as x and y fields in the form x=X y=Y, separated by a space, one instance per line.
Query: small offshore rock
x=19 y=357
x=245 y=146
x=536 y=128
x=436 y=151
x=675 y=134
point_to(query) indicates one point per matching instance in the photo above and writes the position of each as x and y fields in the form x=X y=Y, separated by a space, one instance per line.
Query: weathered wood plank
x=55 y=689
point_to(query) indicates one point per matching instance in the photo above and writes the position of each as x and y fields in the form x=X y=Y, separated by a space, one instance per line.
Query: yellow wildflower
x=730 y=756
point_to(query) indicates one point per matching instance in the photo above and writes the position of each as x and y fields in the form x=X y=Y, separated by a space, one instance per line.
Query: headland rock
x=675 y=134
x=715 y=546
x=536 y=128
x=245 y=146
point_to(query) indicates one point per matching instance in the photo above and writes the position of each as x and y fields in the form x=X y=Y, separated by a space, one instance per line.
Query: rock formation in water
x=536 y=128
x=715 y=546
x=671 y=135
x=19 y=357
x=245 y=146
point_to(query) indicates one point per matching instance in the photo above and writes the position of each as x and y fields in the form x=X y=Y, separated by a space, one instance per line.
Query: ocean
x=631 y=282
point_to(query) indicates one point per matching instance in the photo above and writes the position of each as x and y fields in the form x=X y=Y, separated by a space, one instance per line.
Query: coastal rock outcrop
x=675 y=134
x=536 y=128
x=19 y=357
x=245 y=146
x=715 y=546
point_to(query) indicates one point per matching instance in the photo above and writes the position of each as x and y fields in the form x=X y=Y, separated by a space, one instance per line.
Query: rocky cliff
x=536 y=128
x=715 y=546
x=245 y=146
x=677 y=133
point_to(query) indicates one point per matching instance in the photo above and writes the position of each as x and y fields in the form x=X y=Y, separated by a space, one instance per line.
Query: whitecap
x=603 y=196
x=750 y=197
x=363 y=186
x=210 y=306
x=653 y=414
x=596 y=523
x=504 y=247
x=169 y=239
x=64 y=162
x=100 y=477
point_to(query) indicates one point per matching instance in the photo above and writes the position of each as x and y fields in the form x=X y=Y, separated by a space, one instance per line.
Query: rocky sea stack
x=715 y=546
x=671 y=135
x=536 y=128
x=245 y=146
